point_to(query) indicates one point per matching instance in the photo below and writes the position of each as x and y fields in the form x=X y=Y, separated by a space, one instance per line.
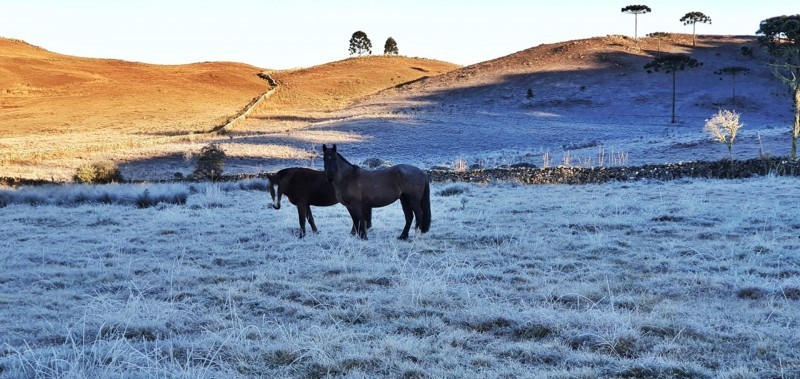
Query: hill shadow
x=605 y=99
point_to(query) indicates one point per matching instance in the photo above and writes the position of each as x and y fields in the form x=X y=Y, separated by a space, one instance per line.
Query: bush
x=210 y=163
x=98 y=173
x=147 y=199
x=453 y=190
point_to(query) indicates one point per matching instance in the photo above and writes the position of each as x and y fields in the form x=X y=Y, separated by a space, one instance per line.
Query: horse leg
x=355 y=222
x=416 y=207
x=301 y=214
x=409 y=215
x=369 y=218
x=359 y=220
x=311 y=219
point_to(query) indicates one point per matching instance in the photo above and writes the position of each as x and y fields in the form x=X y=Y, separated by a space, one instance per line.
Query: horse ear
x=334 y=148
x=324 y=148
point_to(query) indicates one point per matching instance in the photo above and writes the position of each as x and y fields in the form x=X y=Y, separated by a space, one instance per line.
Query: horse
x=360 y=190
x=304 y=187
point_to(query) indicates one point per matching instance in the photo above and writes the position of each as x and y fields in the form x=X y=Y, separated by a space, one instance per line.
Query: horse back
x=304 y=185
x=381 y=187
x=313 y=186
x=411 y=178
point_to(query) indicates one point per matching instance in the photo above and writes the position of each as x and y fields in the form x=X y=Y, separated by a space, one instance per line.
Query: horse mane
x=346 y=161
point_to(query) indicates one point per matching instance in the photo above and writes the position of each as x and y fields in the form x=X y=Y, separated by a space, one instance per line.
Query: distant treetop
x=781 y=36
x=360 y=43
x=390 y=47
x=636 y=10
x=692 y=18
x=780 y=32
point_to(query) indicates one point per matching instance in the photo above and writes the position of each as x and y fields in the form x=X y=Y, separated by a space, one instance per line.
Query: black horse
x=361 y=190
x=304 y=187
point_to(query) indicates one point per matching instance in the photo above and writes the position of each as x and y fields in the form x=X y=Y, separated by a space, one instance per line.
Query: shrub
x=98 y=173
x=453 y=190
x=148 y=199
x=210 y=163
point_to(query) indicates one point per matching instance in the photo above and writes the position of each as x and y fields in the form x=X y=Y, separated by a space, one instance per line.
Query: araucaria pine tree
x=360 y=43
x=781 y=36
x=636 y=10
x=671 y=64
x=733 y=71
x=659 y=36
x=692 y=18
x=390 y=47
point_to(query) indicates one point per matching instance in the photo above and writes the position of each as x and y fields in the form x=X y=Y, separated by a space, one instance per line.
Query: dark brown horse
x=361 y=190
x=303 y=187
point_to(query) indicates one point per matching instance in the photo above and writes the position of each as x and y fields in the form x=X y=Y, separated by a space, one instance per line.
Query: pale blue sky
x=300 y=33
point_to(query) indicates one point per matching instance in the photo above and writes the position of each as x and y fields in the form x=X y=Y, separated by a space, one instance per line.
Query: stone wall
x=245 y=112
x=724 y=169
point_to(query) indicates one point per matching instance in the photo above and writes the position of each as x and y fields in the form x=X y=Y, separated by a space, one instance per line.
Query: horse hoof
x=403 y=237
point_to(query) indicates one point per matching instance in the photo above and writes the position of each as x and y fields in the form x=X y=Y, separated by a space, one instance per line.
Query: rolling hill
x=588 y=95
x=58 y=112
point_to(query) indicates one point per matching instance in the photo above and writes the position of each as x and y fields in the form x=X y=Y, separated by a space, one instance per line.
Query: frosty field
x=690 y=278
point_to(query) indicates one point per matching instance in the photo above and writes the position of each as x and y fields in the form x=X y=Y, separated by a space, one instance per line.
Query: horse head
x=330 y=159
x=274 y=181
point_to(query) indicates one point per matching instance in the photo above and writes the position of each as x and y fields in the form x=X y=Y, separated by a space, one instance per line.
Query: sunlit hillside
x=58 y=112
x=309 y=94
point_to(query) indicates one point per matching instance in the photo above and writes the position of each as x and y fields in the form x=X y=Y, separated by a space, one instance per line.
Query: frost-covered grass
x=654 y=279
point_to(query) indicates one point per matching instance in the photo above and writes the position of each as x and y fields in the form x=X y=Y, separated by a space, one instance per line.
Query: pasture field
x=686 y=279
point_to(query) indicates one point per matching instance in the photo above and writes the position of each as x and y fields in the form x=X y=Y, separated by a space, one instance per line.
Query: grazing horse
x=361 y=190
x=303 y=187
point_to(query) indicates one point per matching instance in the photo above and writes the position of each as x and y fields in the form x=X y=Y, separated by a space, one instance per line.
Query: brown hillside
x=309 y=94
x=143 y=115
x=587 y=94
x=58 y=112
x=41 y=91
x=597 y=60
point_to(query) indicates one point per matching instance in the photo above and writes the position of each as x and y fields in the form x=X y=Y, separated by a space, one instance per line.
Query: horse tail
x=425 y=225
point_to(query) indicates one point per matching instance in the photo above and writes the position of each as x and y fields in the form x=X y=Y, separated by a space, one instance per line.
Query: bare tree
x=723 y=128
x=636 y=10
x=692 y=18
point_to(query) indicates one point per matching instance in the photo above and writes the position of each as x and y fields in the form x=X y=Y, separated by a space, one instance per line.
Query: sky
x=300 y=33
